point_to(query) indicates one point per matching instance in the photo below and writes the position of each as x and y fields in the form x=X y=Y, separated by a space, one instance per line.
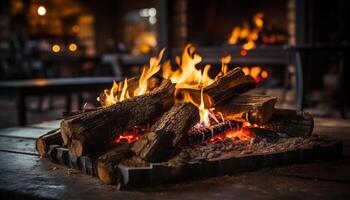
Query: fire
x=127 y=137
x=147 y=73
x=245 y=32
x=243 y=134
x=111 y=96
x=132 y=135
x=187 y=76
x=256 y=72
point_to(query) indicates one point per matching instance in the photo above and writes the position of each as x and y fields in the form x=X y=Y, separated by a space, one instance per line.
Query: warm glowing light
x=246 y=70
x=119 y=92
x=243 y=52
x=128 y=137
x=41 y=10
x=56 y=48
x=187 y=76
x=255 y=71
x=264 y=74
x=247 y=33
x=76 y=28
x=147 y=73
x=72 y=47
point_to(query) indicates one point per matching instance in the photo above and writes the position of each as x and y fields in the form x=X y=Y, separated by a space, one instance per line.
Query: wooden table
x=25 y=175
x=21 y=89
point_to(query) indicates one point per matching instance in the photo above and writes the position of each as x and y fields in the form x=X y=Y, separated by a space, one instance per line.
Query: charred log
x=172 y=127
x=93 y=130
x=251 y=108
x=200 y=135
x=291 y=122
x=107 y=164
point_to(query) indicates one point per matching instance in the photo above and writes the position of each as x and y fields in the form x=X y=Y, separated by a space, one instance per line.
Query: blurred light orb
x=76 y=28
x=56 y=48
x=72 y=47
x=152 y=12
x=41 y=10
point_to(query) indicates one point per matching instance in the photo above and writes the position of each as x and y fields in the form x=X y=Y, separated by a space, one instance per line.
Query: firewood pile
x=170 y=120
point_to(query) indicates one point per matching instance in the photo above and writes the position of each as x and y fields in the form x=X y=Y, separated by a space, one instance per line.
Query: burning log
x=169 y=131
x=200 y=135
x=107 y=164
x=251 y=108
x=293 y=123
x=93 y=130
x=51 y=138
x=157 y=144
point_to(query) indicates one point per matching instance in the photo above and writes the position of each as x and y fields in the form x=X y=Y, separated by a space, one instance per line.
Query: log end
x=105 y=173
x=41 y=147
x=76 y=148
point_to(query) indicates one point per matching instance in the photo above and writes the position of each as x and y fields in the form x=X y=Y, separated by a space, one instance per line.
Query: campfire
x=183 y=117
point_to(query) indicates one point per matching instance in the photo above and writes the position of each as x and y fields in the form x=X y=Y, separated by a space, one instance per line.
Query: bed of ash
x=229 y=148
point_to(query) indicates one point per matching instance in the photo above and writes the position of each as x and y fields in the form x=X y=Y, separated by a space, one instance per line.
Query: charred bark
x=251 y=108
x=172 y=127
x=94 y=130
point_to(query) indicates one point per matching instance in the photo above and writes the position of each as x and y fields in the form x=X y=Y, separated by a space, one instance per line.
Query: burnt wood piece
x=200 y=135
x=172 y=127
x=252 y=108
x=291 y=122
x=158 y=143
x=107 y=164
x=95 y=130
x=42 y=144
x=263 y=133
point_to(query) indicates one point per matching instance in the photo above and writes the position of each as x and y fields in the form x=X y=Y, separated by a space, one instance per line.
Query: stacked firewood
x=92 y=132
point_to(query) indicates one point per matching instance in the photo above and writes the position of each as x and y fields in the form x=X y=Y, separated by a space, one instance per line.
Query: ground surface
x=24 y=174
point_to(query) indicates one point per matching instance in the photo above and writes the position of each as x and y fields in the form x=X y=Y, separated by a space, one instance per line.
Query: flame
x=147 y=73
x=187 y=76
x=111 y=96
x=224 y=67
x=245 y=32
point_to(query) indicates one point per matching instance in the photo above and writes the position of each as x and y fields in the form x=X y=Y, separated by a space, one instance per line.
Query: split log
x=199 y=135
x=172 y=127
x=107 y=164
x=156 y=145
x=87 y=132
x=291 y=122
x=251 y=108
x=43 y=143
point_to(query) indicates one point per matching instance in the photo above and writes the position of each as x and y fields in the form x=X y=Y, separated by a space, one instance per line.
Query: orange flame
x=111 y=96
x=245 y=32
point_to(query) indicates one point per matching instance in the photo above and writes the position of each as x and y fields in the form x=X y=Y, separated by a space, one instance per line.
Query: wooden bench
x=67 y=86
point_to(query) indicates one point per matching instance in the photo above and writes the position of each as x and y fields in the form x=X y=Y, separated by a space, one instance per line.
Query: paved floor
x=24 y=175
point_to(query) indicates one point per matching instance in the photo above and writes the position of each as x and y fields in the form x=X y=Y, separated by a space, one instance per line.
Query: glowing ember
x=132 y=135
x=128 y=137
